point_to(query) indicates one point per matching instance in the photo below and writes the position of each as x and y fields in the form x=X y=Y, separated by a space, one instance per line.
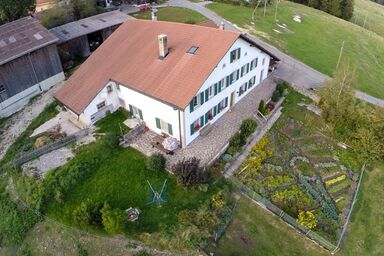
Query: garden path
x=257 y=135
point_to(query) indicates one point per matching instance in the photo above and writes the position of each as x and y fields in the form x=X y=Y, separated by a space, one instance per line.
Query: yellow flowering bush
x=307 y=219
x=335 y=180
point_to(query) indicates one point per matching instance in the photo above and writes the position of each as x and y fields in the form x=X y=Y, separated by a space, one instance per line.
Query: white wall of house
x=18 y=101
x=224 y=68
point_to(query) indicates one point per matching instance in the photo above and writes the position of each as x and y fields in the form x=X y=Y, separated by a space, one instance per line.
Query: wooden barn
x=29 y=63
x=80 y=38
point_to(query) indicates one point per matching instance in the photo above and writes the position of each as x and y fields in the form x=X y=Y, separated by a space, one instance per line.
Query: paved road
x=290 y=69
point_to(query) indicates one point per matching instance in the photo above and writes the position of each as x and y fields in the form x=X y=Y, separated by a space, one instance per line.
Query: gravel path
x=17 y=123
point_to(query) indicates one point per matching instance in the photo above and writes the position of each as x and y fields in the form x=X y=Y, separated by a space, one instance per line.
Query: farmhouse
x=29 y=63
x=178 y=78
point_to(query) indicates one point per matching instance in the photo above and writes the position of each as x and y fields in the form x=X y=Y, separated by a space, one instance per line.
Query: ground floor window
x=164 y=126
x=100 y=105
x=243 y=88
x=136 y=112
x=252 y=82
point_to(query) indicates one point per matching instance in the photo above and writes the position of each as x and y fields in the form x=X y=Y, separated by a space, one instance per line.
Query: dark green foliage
x=339 y=8
x=189 y=172
x=275 y=96
x=248 y=126
x=88 y=213
x=83 y=8
x=114 y=220
x=81 y=251
x=236 y=142
x=15 y=221
x=156 y=162
x=346 y=9
x=262 y=107
x=11 y=10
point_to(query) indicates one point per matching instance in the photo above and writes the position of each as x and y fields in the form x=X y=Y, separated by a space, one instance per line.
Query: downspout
x=181 y=140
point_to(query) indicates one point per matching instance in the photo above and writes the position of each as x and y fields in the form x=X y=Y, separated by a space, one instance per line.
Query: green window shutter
x=249 y=85
x=248 y=67
x=237 y=74
x=170 y=129
x=219 y=86
x=130 y=109
x=192 y=128
x=214 y=111
x=215 y=88
x=231 y=56
x=141 y=114
x=206 y=118
x=158 y=123
x=226 y=102
x=251 y=65
x=256 y=62
x=202 y=121
x=201 y=98
x=238 y=53
x=242 y=71
x=206 y=95
x=227 y=81
x=218 y=108
x=191 y=107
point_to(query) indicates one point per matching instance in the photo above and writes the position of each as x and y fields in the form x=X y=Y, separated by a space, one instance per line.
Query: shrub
x=88 y=213
x=276 y=96
x=237 y=140
x=156 y=162
x=114 y=220
x=307 y=219
x=248 y=126
x=281 y=87
x=262 y=108
x=189 y=172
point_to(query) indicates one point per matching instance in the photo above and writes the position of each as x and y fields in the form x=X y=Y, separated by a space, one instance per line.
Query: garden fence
x=266 y=204
x=33 y=154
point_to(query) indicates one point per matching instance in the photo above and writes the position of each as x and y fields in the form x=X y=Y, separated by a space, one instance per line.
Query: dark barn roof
x=22 y=36
x=88 y=25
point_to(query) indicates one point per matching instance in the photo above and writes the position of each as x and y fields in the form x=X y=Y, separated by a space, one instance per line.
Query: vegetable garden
x=300 y=170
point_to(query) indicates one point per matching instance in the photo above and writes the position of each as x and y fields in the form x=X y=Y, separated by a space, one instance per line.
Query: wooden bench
x=158 y=143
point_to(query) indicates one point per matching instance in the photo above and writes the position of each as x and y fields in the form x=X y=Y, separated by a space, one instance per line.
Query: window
x=136 y=112
x=109 y=88
x=253 y=64
x=100 y=105
x=2 y=88
x=252 y=82
x=118 y=87
x=243 y=89
x=222 y=84
x=263 y=61
x=210 y=91
x=192 y=50
x=235 y=55
x=164 y=126
x=195 y=101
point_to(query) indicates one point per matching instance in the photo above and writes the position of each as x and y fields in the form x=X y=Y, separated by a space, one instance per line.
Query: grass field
x=317 y=40
x=174 y=14
x=369 y=15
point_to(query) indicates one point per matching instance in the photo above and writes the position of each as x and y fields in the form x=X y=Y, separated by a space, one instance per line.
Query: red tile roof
x=130 y=57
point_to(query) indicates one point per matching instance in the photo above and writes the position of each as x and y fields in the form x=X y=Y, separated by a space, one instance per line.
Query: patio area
x=209 y=146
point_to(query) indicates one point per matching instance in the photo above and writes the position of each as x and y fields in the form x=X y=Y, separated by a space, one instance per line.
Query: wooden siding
x=28 y=70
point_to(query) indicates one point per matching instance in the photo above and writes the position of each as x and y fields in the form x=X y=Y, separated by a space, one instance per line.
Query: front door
x=232 y=100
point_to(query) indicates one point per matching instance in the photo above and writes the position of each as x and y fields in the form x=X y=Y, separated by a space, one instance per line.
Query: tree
x=189 y=172
x=156 y=162
x=83 y=8
x=346 y=9
x=114 y=220
x=367 y=145
x=88 y=213
x=11 y=10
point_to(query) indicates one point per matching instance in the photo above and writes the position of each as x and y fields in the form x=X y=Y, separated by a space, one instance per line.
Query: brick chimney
x=163 y=46
x=222 y=25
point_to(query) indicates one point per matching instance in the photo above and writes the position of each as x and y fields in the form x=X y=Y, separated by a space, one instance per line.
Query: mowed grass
x=173 y=14
x=369 y=15
x=122 y=181
x=317 y=40
x=366 y=231
x=253 y=231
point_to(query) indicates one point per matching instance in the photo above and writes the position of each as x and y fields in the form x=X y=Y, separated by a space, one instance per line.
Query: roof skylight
x=192 y=50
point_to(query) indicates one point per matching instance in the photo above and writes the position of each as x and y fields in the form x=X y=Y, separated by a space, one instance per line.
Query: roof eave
x=251 y=41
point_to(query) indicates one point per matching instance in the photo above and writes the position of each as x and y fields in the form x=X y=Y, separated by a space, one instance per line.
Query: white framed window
x=164 y=126
x=118 y=87
x=222 y=84
x=100 y=105
x=195 y=101
x=263 y=61
x=211 y=91
x=235 y=55
x=109 y=88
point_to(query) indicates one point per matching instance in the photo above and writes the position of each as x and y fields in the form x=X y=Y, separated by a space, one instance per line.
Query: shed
x=29 y=63
x=80 y=38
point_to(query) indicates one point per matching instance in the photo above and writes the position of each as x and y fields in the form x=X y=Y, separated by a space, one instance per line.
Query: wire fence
x=266 y=204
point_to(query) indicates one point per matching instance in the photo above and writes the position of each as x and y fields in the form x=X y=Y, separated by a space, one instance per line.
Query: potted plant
x=210 y=116
x=197 y=127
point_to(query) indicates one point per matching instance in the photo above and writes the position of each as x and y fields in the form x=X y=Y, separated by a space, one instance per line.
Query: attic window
x=38 y=36
x=192 y=50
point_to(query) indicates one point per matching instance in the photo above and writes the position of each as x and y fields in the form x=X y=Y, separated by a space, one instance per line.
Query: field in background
x=315 y=41
x=369 y=15
x=174 y=14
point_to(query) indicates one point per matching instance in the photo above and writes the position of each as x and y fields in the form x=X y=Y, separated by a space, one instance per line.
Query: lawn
x=174 y=14
x=370 y=15
x=253 y=231
x=316 y=41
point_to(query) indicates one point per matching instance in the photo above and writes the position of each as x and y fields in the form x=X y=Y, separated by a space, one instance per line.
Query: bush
x=156 y=162
x=281 y=87
x=114 y=220
x=189 y=173
x=276 y=96
x=88 y=213
x=248 y=126
x=262 y=108
x=237 y=140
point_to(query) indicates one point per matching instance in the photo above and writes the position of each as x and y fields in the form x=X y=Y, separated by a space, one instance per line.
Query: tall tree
x=83 y=8
x=11 y=10
x=346 y=8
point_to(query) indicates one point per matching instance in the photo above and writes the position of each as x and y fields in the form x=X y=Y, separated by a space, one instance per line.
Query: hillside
x=317 y=40
x=369 y=15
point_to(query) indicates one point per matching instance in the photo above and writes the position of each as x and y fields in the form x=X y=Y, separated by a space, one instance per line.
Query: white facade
x=18 y=101
x=180 y=123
